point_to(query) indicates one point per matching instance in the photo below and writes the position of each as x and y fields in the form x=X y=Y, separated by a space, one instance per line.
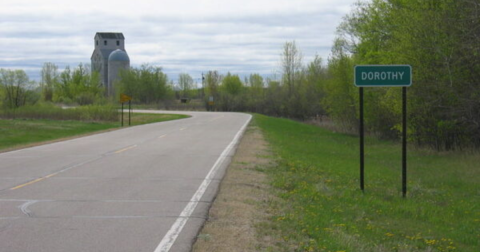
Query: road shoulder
x=241 y=208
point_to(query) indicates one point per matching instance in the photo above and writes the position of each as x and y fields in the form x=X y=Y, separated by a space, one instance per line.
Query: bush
x=85 y=98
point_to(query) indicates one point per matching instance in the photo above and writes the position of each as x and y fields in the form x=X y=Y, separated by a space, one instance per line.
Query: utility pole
x=203 y=86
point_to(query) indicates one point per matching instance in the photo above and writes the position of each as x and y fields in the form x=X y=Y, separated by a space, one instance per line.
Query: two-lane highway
x=143 y=188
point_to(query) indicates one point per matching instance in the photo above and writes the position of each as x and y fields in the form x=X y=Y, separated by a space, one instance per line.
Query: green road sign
x=383 y=76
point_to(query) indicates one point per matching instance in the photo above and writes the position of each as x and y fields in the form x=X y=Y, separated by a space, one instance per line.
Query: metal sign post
x=404 y=142
x=384 y=76
x=362 y=144
x=211 y=103
x=124 y=98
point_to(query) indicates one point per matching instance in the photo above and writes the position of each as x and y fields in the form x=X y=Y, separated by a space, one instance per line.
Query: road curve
x=143 y=188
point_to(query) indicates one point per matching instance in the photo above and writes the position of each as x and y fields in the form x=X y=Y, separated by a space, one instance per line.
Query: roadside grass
x=17 y=133
x=144 y=118
x=323 y=209
x=88 y=113
x=177 y=105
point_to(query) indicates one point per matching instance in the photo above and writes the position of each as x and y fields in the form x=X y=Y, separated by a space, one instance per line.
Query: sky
x=181 y=36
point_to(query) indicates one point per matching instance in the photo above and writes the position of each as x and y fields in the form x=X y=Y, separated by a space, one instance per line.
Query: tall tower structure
x=105 y=44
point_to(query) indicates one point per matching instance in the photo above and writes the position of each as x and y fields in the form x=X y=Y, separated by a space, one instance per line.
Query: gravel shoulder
x=239 y=217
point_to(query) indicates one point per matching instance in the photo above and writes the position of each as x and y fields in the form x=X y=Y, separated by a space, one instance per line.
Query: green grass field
x=21 y=132
x=323 y=209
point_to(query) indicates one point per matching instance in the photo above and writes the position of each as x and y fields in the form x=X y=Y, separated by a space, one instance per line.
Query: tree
x=273 y=98
x=232 y=84
x=340 y=101
x=231 y=93
x=62 y=90
x=185 y=84
x=256 y=93
x=314 y=88
x=212 y=82
x=147 y=84
x=49 y=74
x=291 y=60
x=15 y=84
x=78 y=85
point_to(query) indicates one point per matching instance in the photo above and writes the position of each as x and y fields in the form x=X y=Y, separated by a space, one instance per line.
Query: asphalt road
x=143 y=188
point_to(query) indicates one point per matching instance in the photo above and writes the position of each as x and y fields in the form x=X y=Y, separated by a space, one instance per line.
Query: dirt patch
x=241 y=206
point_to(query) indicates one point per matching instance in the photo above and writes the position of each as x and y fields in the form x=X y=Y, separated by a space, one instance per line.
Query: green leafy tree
x=16 y=87
x=62 y=90
x=340 y=101
x=232 y=85
x=79 y=85
x=273 y=99
x=147 y=84
x=231 y=93
x=256 y=93
x=314 y=89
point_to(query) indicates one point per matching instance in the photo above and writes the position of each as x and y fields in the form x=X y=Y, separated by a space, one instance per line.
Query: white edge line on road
x=174 y=232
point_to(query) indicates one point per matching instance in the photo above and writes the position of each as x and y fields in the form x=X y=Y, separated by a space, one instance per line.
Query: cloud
x=181 y=36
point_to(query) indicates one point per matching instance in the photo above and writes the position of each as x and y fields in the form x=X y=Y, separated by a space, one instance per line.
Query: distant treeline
x=440 y=39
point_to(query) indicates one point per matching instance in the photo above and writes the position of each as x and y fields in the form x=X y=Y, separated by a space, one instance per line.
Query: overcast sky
x=191 y=36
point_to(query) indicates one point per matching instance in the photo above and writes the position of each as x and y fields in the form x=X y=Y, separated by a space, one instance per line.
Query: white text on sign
x=382 y=75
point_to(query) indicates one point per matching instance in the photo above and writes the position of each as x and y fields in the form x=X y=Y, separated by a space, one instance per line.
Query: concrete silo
x=117 y=61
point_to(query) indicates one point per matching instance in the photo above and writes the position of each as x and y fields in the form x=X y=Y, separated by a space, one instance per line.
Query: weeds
x=90 y=113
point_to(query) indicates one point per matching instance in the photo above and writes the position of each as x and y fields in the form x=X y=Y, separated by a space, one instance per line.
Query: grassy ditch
x=17 y=133
x=322 y=208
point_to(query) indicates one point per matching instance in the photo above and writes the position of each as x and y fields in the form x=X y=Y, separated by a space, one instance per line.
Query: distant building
x=109 y=57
